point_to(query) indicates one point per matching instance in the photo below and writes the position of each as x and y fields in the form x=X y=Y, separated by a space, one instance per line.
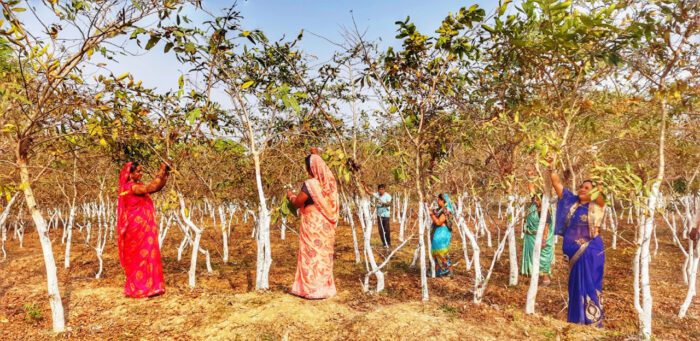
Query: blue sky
x=279 y=17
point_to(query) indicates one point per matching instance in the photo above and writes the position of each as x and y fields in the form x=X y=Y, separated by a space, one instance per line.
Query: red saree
x=314 y=275
x=139 y=253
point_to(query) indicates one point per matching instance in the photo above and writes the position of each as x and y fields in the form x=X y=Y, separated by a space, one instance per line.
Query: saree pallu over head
x=323 y=189
x=314 y=274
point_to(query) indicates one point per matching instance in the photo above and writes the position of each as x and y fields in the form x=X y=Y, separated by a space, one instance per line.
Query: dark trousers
x=384 y=230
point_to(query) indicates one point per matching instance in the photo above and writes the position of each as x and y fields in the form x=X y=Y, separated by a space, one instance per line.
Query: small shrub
x=32 y=312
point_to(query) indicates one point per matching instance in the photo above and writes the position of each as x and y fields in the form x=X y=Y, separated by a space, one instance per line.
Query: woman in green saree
x=532 y=221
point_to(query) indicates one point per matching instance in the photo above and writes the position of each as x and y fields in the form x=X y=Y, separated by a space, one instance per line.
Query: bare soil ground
x=225 y=306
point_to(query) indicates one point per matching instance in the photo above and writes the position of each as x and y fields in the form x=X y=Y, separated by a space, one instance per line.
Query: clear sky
x=324 y=17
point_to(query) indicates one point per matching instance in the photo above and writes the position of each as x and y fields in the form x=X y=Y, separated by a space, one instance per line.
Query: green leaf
x=152 y=42
x=194 y=115
x=287 y=208
x=247 y=84
x=167 y=48
x=295 y=104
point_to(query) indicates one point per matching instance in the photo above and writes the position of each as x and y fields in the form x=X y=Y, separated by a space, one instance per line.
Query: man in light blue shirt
x=383 y=202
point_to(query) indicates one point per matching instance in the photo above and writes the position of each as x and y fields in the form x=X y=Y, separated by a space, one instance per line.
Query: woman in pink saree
x=319 y=207
x=139 y=253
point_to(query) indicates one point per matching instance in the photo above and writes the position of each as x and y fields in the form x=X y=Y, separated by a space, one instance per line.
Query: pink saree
x=139 y=253
x=314 y=275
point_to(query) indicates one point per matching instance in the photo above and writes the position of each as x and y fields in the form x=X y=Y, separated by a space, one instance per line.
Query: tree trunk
x=647 y=230
x=402 y=212
x=512 y=249
x=351 y=221
x=535 y=274
x=55 y=302
x=421 y=228
x=262 y=241
x=366 y=219
x=694 y=251
x=224 y=233
x=3 y=220
x=69 y=236
x=195 y=243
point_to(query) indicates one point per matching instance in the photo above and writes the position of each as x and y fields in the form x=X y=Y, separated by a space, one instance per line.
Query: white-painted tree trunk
x=612 y=217
x=102 y=235
x=512 y=248
x=646 y=231
x=195 y=243
x=421 y=247
x=480 y=288
x=428 y=222
x=481 y=220
x=367 y=222
x=224 y=233
x=402 y=215
x=466 y=234
x=262 y=240
x=694 y=256
x=351 y=221
x=163 y=229
x=57 y=315
x=69 y=236
x=3 y=220
x=537 y=252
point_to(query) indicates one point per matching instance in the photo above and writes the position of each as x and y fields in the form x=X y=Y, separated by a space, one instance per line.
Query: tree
x=667 y=30
x=48 y=95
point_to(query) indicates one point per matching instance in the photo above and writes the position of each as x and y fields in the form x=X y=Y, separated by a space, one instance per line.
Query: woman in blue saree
x=441 y=235
x=578 y=220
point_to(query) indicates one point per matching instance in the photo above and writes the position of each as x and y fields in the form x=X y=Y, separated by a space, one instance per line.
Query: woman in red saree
x=139 y=253
x=319 y=206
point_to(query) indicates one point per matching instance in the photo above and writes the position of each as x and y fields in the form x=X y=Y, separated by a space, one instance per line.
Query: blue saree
x=586 y=256
x=440 y=242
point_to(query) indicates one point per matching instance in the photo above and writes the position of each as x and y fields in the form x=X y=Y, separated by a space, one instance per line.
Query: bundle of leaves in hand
x=287 y=208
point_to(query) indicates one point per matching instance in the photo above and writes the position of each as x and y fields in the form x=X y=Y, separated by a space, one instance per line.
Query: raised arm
x=556 y=180
x=155 y=185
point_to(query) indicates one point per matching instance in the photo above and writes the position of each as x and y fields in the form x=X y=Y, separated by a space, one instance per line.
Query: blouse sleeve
x=567 y=200
x=309 y=200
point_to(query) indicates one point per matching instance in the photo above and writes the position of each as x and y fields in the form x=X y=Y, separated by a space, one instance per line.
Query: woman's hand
x=556 y=181
x=167 y=164
x=290 y=194
x=550 y=162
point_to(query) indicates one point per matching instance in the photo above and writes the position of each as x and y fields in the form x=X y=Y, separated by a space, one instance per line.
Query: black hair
x=307 y=160
x=441 y=196
x=589 y=181
x=381 y=186
x=133 y=167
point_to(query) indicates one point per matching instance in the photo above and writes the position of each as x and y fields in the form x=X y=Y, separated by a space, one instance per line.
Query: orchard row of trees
x=607 y=88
